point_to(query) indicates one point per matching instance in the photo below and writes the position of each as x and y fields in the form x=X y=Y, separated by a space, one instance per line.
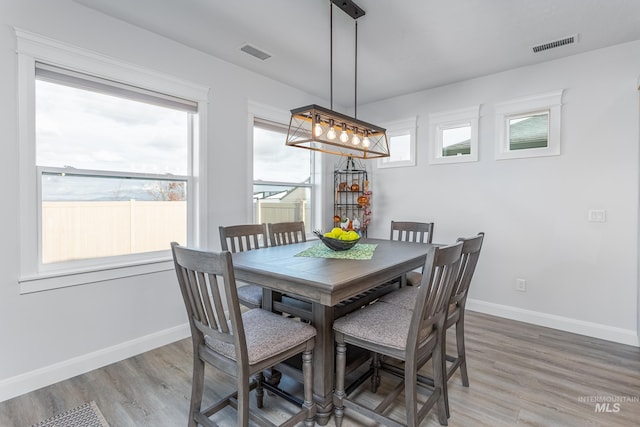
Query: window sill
x=49 y=281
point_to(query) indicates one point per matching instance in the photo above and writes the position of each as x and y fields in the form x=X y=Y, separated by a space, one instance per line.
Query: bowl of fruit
x=338 y=239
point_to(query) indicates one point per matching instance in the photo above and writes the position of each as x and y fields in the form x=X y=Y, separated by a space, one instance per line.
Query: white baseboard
x=42 y=377
x=595 y=330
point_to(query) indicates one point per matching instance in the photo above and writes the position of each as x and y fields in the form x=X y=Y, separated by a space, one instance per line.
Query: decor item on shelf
x=321 y=129
x=336 y=218
x=363 y=201
x=342 y=186
x=355 y=186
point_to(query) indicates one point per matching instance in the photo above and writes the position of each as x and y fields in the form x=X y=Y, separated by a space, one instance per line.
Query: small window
x=454 y=136
x=529 y=131
x=402 y=144
x=529 y=127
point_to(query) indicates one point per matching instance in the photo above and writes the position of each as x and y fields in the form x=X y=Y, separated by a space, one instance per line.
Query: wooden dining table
x=325 y=282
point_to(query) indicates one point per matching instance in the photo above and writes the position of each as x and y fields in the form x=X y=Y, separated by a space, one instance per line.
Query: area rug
x=87 y=415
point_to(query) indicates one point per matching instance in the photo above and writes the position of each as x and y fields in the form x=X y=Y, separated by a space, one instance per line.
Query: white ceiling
x=403 y=45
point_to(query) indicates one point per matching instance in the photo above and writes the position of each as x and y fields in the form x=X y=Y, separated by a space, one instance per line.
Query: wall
x=50 y=335
x=581 y=276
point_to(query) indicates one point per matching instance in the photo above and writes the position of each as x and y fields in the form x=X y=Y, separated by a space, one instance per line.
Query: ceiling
x=403 y=45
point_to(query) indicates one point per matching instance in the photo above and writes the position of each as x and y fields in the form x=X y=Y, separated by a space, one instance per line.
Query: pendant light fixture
x=321 y=129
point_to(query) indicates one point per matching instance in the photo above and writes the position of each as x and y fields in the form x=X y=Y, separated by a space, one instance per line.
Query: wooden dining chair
x=407 y=231
x=240 y=238
x=405 y=298
x=412 y=336
x=239 y=344
x=284 y=233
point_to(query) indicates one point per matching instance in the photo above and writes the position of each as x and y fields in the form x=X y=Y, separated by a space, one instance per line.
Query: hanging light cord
x=355 y=94
x=331 y=55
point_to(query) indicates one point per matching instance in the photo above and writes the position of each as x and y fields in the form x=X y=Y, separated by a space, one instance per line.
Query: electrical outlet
x=521 y=285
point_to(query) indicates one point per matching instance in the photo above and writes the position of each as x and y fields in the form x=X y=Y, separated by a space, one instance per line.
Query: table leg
x=323 y=366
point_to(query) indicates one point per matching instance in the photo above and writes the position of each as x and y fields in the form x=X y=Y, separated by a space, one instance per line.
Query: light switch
x=597 y=215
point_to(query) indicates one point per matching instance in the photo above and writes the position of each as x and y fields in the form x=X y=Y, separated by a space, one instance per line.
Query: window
x=529 y=127
x=112 y=165
x=282 y=176
x=402 y=144
x=454 y=136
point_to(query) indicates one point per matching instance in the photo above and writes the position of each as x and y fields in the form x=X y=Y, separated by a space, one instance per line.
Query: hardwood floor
x=520 y=375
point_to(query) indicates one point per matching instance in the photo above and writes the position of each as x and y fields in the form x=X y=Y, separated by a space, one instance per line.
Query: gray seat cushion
x=251 y=294
x=379 y=323
x=267 y=335
x=403 y=297
x=406 y=298
x=414 y=278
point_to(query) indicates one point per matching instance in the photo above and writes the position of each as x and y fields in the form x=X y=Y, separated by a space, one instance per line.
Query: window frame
x=35 y=276
x=268 y=113
x=439 y=122
x=524 y=107
x=400 y=128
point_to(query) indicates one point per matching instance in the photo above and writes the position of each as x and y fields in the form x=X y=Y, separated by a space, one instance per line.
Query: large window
x=113 y=167
x=282 y=176
x=112 y=163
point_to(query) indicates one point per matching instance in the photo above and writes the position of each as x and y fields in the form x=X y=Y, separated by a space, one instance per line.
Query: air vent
x=254 y=51
x=556 y=43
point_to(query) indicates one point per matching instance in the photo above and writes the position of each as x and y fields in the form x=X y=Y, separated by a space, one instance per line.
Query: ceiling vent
x=556 y=43
x=254 y=51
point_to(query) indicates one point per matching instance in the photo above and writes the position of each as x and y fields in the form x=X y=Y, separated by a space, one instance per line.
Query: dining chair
x=407 y=231
x=239 y=344
x=240 y=238
x=284 y=233
x=405 y=298
x=412 y=336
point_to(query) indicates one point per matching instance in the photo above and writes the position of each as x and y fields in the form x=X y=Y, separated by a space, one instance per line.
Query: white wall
x=581 y=276
x=48 y=335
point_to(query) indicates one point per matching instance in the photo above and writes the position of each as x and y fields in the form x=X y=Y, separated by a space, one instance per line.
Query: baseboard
x=42 y=377
x=595 y=330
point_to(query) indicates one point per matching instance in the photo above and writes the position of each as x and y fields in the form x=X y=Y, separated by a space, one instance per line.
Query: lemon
x=337 y=232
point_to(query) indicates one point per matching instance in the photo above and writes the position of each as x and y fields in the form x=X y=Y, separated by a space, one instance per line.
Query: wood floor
x=520 y=375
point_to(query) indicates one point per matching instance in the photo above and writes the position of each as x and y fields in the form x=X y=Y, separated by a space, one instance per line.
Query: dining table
x=325 y=279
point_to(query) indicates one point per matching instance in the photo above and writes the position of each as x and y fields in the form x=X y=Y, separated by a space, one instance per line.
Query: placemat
x=359 y=251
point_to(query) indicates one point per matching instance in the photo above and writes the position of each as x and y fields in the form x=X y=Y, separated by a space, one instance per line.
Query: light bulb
x=356 y=139
x=318 y=129
x=365 y=141
x=331 y=133
x=344 y=136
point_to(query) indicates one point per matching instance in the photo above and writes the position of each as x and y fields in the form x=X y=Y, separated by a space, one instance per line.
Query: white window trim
x=32 y=276
x=550 y=101
x=439 y=122
x=399 y=128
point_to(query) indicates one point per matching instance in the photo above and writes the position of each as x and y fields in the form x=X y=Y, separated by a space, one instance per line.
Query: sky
x=82 y=129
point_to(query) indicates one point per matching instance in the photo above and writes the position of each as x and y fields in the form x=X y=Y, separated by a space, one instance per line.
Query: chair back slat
x=407 y=231
x=470 y=254
x=199 y=274
x=440 y=269
x=246 y=237
x=286 y=233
